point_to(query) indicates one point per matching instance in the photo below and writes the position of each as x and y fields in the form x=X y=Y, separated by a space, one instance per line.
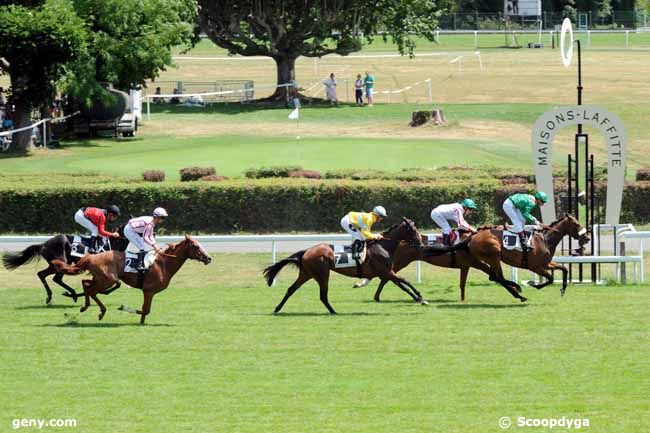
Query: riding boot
x=141 y=255
x=92 y=248
x=445 y=240
x=524 y=248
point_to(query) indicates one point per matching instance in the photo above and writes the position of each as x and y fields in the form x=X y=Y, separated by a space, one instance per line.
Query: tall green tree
x=287 y=29
x=36 y=43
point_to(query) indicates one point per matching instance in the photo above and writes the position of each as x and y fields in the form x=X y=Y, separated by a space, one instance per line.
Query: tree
x=287 y=29
x=36 y=42
x=130 y=42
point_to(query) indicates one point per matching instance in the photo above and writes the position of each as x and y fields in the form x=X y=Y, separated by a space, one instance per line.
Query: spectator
x=369 y=82
x=330 y=89
x=7 y=122
x=358 y=90
x=175 y=99
x=2 y=97
x=158 y=100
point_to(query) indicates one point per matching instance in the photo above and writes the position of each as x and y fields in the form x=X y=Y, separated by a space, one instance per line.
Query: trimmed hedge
x=270 y=172
x=195 y=173
x=643 y=174
x=153 y=176
x=268 y=205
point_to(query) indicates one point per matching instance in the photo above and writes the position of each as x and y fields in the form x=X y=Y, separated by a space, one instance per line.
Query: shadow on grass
x=325 y=314
x=237 y=108
x=491 y=306
x=101 y=325
x=46 y=307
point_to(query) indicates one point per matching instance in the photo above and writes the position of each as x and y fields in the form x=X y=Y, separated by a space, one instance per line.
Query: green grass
x=212 y=358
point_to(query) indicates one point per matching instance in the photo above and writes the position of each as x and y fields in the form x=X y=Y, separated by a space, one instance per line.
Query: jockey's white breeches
x=81 y=219
x=136 y=239
x=353 y=231
x=442 y=222
x=515 y=216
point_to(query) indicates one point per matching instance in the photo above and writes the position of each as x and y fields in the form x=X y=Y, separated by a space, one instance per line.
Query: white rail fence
x=228 y=243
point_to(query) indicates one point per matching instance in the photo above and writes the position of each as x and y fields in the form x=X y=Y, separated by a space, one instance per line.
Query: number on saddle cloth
x=437 y=238
x=131 y=261
x=81 y=244
x=344 y=255
x=511 y=241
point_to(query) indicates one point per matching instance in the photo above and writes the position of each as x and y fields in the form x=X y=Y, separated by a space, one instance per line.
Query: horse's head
x=194 y=250
x=405 y=231
x=569 y=225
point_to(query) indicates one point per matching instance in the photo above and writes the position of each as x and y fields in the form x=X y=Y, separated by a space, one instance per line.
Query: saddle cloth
x=436 y=238
x=511 y=241
x=131 y=261
x=343 y=256
x=80 y=245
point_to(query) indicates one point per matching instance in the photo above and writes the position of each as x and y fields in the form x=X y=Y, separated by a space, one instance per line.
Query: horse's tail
x=12 y=261
x=273 y=270
x=73 y=269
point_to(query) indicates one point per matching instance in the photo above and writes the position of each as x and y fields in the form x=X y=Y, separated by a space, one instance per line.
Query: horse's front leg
x=70 y=292
x=382 y=283
x=146 y=305
x=565 y=275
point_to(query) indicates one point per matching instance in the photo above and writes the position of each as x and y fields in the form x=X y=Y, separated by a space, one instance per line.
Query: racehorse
x=317 y=262
x=459 y=259
x=486 y=246
x=108 y=268
x=57 y=252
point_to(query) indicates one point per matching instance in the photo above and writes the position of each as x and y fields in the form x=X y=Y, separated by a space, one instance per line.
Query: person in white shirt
x=140 y=232
x=455 y=212
x=330 y=89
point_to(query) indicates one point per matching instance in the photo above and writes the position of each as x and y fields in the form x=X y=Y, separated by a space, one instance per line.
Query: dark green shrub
x=196 y=173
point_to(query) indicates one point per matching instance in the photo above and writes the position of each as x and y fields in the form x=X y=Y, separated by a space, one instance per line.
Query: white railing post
x=475 y=39
x=148 y=107
x=45 y=133
x=273 y=256
x=418 y=271
x=627 y=38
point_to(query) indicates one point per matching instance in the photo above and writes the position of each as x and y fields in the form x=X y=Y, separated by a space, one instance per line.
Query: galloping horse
x=317 y=262
x=486 y=246
x=108 y=268
x=56 y=251
x=459 y=259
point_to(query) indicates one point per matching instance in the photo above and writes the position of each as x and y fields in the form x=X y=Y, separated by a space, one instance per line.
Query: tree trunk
x=286 y=73
x=21 y=141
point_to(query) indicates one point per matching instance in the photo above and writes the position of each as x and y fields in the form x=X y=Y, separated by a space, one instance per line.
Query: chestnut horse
x=459 y=259
x=317 y=262
x=108 y=268
x=57 y=251
x=486 y=245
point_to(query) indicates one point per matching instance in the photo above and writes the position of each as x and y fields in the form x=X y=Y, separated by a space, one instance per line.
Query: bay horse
x=318 y=261
x=57 y=253
x=458 y=259
x=108 y=268
x=486 y=245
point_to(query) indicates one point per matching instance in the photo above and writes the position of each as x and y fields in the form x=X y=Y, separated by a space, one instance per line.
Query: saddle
x=81 y=244
x=510 y=240
x=131 y=261
x=437 y=239
x=344 y=256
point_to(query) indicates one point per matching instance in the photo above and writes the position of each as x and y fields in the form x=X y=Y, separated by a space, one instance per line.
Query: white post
x=642 y=258
x=418 y=271
x=480 y=62
x=438 y=36
x=513 y=274
x=148 y=108
x=475 y=39
x=347 y=91
x=627 y=38
x=273 y=256
x=430 y=91
x=588 y=38
x=45 y=134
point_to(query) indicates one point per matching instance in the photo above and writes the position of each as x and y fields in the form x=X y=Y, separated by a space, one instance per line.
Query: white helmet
x=160 y=212
x=379 y=210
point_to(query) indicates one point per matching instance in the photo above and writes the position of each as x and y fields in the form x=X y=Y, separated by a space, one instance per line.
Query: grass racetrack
x=213 y=359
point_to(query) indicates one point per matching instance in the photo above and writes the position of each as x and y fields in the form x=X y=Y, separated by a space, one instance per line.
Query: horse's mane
x=390 y=229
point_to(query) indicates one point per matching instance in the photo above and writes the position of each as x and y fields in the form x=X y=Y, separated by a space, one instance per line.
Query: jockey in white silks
x=455 y=212
x=140 y=232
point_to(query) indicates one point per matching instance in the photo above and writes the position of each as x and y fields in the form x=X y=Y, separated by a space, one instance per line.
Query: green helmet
x=468 y=203
x=540 y=195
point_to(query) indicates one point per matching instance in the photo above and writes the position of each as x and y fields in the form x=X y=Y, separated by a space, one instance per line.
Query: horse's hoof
x=562 y=292
x=82 y=309
x=377 y=300
x=423 y=302
x=523 y=299
x=101 y=315
x=48 y=300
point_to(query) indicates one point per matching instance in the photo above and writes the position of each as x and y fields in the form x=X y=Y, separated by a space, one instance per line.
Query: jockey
x=94 y=220
x=359 y=224
x=518 y=207
x=140 y=232
x=444 y=213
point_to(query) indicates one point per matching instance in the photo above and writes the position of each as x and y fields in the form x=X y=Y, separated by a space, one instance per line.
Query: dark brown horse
x=108 y=268
x=57 y=252
x=486 y=245
x=459 y=259
x=318 y=261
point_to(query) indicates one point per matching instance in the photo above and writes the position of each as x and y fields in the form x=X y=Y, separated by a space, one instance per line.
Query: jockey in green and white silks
x=518 y=207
